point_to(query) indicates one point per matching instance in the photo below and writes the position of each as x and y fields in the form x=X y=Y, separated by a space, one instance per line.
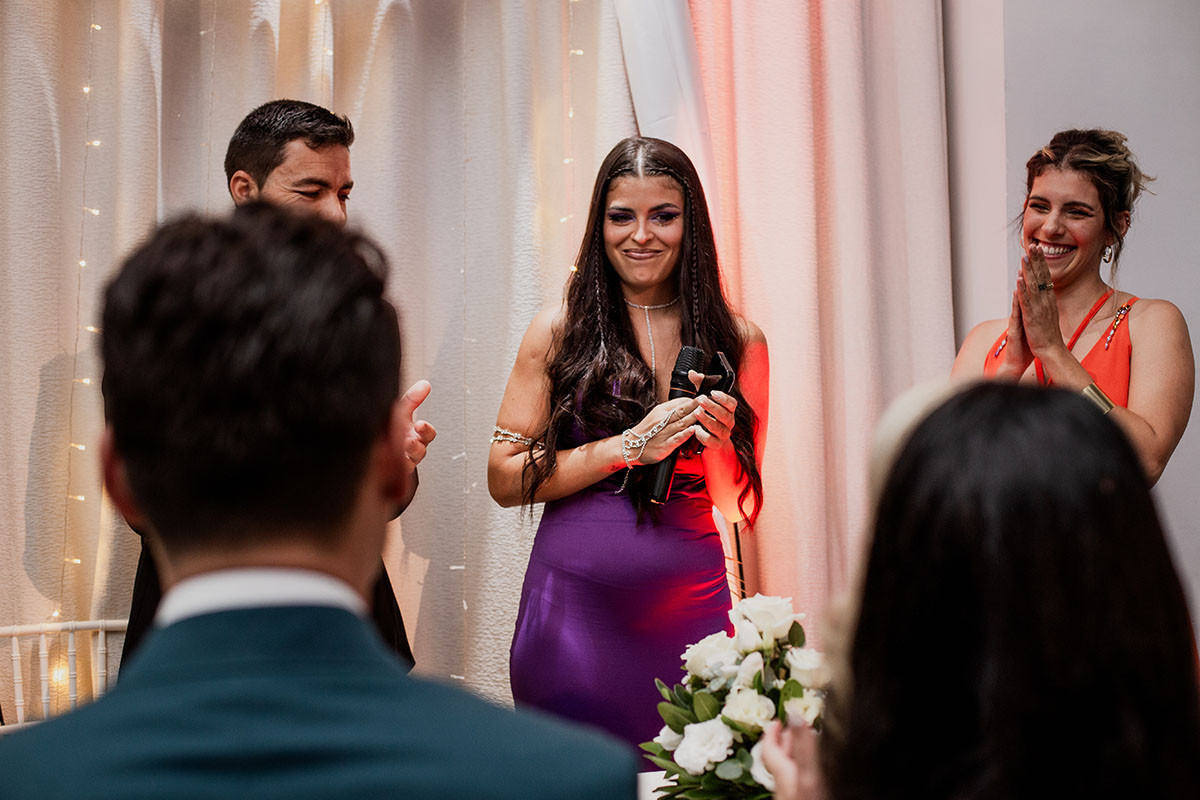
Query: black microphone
x=689 y=358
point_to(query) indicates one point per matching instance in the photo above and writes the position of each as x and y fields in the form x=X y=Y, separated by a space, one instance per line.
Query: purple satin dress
x=609 y=605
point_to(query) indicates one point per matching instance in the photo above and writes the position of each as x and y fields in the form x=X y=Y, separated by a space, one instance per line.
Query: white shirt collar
x=227 y=589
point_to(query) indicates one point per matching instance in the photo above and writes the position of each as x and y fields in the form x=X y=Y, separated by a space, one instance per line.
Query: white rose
x=749 y=708
x=704 y=744
x=806 y=707
x=758 y=770
x=713 y=656
x=806 y=665
x=668 y=738
x=751 y=666
x=746 y=637
x=772 y=616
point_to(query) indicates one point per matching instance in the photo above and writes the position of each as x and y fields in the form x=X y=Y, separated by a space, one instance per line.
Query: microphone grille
x=689 y=358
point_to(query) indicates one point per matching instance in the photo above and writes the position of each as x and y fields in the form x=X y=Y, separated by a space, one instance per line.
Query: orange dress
x=1107 y=362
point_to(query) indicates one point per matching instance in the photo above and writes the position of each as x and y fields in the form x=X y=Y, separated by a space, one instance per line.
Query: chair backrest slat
x=43 y=632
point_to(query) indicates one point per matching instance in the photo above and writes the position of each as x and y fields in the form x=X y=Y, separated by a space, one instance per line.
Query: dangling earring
x=1108 y=254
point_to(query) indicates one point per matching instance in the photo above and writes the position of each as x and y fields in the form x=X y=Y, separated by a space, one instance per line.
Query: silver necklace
x=646 y=310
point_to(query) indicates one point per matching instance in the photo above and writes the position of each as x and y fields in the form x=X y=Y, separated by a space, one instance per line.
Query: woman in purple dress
x=618 y=586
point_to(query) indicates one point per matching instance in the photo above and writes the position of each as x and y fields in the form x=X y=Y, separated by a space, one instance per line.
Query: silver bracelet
x=629 y=441
x=505 y=435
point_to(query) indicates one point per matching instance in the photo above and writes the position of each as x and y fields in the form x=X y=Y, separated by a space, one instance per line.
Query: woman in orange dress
x=1069 y=326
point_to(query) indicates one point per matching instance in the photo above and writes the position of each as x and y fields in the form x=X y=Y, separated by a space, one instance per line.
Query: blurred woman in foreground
x=1021 y=630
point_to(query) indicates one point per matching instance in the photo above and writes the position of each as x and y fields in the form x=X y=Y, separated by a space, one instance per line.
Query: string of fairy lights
x=211 y=33
x=87 y=212
x=326 y=52
x=568 y=161
x=73 y=497
x=460 y=568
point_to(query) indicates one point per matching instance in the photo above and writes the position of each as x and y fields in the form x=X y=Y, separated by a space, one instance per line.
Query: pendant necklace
x=646 y=310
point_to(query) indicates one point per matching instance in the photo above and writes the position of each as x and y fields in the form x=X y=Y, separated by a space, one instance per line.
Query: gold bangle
x=1096 y=395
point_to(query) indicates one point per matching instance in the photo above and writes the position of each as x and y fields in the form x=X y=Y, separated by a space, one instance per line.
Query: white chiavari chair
x=94 y=631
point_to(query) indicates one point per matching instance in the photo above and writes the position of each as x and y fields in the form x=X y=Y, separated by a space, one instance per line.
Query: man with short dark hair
x=294 y=155
x=257 y=435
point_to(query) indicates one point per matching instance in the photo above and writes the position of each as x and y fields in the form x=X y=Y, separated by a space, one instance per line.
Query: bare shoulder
x=988 y=331
x=541 y=334
x=749 y=332
x=973 y=353
x=1156 y=316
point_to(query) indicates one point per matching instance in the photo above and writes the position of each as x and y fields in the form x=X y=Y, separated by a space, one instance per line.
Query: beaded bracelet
x=629 y=441
x=505 y=435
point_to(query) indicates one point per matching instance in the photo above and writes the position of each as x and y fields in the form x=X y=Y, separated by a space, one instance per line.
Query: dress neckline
x=1037 y=362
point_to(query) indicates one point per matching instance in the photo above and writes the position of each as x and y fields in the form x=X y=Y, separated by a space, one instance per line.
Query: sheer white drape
x=829 y=132
x=480 y=126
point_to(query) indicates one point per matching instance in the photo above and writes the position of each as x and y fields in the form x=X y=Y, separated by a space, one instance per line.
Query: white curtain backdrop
x=480 y=125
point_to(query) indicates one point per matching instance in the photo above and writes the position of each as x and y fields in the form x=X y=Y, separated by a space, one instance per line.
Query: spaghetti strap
x=1037 y=362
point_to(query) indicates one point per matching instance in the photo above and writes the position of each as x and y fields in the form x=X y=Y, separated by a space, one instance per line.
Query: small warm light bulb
x=84 y=381
x=571 y=112
x=82 y=263
x=79 y=498
x=574 y=268
x=568 y=161
x=95 y=212
x=56 y=614
x=73 y=560
x=328 y=52
x=87 y=89
x=59 y=675
x=94 y=143
x=564 y=219
x=91 y=329
x=96 y=27
x=78 y=446
x=316 y=2
x=576 y=52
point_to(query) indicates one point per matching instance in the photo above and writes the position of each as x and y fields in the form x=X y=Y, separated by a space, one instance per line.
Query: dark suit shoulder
x=522 y=754
x=310 y=705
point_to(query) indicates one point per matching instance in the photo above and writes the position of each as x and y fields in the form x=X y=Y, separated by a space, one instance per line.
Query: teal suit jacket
x=299 y=702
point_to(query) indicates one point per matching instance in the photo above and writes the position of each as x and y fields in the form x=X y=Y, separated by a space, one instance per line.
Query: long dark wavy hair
x=1022 y=630
x=599 y=384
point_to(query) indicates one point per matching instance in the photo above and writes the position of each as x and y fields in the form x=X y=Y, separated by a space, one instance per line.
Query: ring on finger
x=1042 y=287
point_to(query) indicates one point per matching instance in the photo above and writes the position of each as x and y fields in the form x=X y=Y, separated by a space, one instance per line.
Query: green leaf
x=666 y=764
x=796 y=635
x=682 y=696
x=769 y=676
x=705 y=705
x=744 y=758
x=675 y=717
x=758 y=682
x=745 y=730
x=729 y=769
x=654 y=748
x=792 y=689
x=663 y=690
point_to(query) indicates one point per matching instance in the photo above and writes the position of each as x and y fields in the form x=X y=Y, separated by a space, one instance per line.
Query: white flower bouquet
x=709 y=746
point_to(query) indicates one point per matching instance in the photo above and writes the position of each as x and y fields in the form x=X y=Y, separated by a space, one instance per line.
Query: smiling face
x=1063 y=214
x=310 y=180
x=643 y=235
